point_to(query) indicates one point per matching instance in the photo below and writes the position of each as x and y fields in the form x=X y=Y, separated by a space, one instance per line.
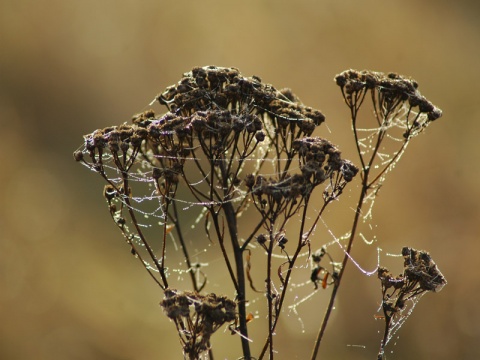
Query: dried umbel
x=214 y=111
x=400 y=113
x=421 y=269
x=396 y=99
x=215 y=88
x=197 y=317
x=319 y=161
x=420 y=274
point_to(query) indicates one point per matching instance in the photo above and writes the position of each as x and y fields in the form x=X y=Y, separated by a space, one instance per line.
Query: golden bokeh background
x=70 y=288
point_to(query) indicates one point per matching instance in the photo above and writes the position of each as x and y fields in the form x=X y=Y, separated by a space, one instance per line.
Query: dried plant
x=420 y=275
x=239 y=146
x=197 y=317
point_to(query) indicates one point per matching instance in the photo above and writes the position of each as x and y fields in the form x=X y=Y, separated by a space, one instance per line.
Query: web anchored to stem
x=242 y=153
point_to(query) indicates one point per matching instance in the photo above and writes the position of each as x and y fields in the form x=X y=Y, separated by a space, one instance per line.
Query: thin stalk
x=269 y=291
x=344 y=264
x=129 y=241
x=186 y=256
x=160 y=268
x=302 y=241
x=230 y=217
x=238 y=256
x=221 y=241
x=381 y=352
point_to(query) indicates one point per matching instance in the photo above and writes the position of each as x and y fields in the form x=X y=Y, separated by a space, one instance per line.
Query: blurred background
x=70 y=288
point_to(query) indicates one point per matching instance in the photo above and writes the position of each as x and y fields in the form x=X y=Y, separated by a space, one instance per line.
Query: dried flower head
x=320 y=160
x=420 y=274
x=197 y=317
x=393 y=96
x=214 y=88
x=421 y=269
x=212 y=110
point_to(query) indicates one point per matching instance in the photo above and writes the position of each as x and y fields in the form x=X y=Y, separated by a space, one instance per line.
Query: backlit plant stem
x=336 y=285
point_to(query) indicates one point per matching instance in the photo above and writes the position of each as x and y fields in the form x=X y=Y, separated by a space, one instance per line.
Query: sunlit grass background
x=70 y=288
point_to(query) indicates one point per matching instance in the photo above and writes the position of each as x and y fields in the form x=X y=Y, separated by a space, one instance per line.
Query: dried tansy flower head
x=394 y=98
x=212 y=110
x=419 y=268
x=319 y=161
x=216 y=88
x=420 y=274
x=197 y=317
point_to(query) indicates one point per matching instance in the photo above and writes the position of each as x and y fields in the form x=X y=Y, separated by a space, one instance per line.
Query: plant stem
x=381 y=352
x=238 y=255
x=302 y=241
x=344 y=264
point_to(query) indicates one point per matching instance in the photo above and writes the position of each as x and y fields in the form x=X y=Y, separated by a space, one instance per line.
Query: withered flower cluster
x=319 y=160
x=197 y=317
x=213 y=111
x=391 y=95
x=214 y=88
x=420 y=274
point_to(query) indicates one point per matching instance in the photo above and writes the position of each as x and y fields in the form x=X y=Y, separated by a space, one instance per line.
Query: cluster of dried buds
x=197 y=317
x=212 y=110
x=420 y=274
x=119 y=140
x=392 y=94
x=215 y=88
x=319 y=160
